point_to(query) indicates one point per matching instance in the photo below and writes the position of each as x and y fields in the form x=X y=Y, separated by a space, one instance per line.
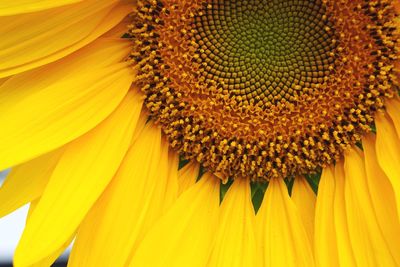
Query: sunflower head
x=264 y=89
x=280 y=99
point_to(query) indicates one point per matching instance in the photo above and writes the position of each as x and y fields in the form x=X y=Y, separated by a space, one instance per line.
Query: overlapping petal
x=388 y=152
x=282 y=238
x=46 y=108
x=35 y=39
x=325 y=244
x=369 y=244
x=50 y=259
x=187 y=176
x=345 y=251
x=383 y=201
x=129 y=206
x=26 y=182
x=393 y=110
x=235 y=243
x=82 y=173
x=14 y=7
x=184 y=236
x=304 y=198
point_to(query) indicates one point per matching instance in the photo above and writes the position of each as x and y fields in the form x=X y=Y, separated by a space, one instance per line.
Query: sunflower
x=203 y=132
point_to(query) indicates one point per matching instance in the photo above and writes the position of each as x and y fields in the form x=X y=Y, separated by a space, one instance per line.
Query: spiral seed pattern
x=264 y=88
x=265 y=51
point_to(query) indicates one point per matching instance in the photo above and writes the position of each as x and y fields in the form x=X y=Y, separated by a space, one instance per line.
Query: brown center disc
x=267 y=88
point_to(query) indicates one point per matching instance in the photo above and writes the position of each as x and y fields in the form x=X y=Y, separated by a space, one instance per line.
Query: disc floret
x=264 y=89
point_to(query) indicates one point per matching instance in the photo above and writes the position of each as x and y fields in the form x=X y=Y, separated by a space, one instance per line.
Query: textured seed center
x=264 y=51
x=264 y=88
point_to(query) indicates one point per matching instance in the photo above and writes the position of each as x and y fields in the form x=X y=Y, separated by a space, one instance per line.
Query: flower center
x=264 y=52
x=264 y=88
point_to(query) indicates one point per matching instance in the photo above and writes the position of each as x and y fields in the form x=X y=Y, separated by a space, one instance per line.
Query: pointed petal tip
x=282 y=235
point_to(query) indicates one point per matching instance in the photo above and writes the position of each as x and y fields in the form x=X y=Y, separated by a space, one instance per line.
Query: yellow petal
x=393 y=109
x=143 y=118
x=26 y=182
x=187 y=176
x=369 y=244
x=304 y=198
x=49 y=260
x=235 y=243
x=29 y=41
x=8 y=8
x=46 y=108
x=283 y=240
x=382 y=198
x=3 y=80
x=171 y=190
x=32 y=207
x=84 y=170
x=128 y=208
x=326 y=253
x=185 y=234
x=345 y=251
x=388 y=152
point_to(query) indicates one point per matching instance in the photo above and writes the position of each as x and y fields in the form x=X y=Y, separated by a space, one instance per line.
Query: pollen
x=264 y=88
